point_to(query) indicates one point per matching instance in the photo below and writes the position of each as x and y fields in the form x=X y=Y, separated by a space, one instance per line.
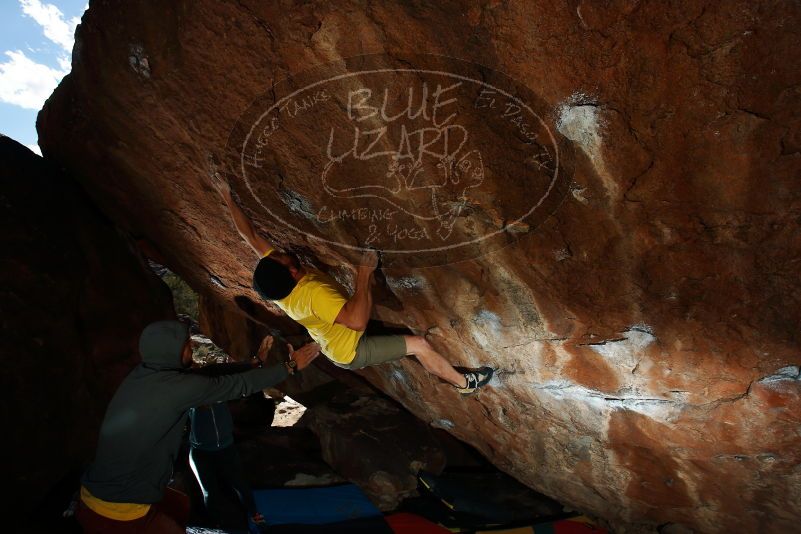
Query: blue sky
x=36 y=38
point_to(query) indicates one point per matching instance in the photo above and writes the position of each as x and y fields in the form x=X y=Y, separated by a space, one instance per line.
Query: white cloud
x=25 y=83
x=51 y=19
x=35 y=149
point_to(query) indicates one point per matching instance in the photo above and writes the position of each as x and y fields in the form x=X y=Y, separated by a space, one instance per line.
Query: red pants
x=166 y=517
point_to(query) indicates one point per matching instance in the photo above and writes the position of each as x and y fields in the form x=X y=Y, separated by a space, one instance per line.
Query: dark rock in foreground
x=74 y=298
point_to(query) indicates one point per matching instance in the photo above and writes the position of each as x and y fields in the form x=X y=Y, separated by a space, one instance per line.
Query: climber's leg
x=433 y=361
x=375 y=350
x=437 y=365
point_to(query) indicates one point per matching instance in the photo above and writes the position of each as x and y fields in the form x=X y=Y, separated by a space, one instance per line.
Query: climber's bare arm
x=355 y=314
x=242 y=222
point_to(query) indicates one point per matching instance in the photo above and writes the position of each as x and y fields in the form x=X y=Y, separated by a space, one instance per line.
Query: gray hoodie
x=142 y=430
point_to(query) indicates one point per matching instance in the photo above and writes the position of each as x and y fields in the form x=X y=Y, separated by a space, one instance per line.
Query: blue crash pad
x=314 y=506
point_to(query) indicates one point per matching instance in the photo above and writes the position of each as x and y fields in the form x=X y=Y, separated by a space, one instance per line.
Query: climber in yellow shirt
x=336 y=322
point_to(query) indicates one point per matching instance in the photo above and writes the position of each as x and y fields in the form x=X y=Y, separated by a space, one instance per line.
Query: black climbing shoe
x=476 y=379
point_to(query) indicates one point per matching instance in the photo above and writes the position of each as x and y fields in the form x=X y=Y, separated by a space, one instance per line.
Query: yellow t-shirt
x=120 y=511
x=315 y=303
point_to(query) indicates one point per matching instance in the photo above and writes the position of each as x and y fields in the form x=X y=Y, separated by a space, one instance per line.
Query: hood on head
x=162 y=342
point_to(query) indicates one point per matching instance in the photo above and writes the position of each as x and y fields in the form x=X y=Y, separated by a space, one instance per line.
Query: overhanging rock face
x=604 y=206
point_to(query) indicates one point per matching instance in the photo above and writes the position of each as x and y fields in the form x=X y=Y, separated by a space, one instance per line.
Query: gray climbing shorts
x=375 y=350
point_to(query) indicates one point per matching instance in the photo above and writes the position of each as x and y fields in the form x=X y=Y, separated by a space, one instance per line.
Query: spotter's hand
x=264 y=348
x=304 y=355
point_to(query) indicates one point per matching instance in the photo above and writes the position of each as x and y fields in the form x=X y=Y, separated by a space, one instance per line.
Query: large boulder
x=643 y=314
x=371 y=441
x=75 y=297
